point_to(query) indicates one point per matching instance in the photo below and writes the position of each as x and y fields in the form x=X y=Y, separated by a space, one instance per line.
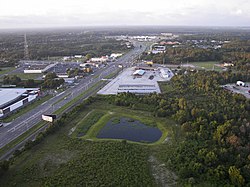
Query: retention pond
x=129 y=129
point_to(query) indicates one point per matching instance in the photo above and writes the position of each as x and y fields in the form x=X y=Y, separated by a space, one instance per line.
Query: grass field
x=62 y=109
x=6 y=70
x=166 y=87
x=64 y=160
x=22 y=137
x=210 y=65
x=28 y=75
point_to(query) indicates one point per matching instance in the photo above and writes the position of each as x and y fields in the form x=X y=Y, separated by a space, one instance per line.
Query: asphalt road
x=23 y=123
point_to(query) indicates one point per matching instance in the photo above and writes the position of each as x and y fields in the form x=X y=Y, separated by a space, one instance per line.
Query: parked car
x=151 y=77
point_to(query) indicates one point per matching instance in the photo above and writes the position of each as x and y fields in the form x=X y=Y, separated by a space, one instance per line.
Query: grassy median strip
x=28 y=75
x=21 y=137
x=27 y=108
x=112 y=75
x=61 y=99
x=62 y=109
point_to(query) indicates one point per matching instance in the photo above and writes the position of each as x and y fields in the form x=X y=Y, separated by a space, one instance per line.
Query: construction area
x=138 y=80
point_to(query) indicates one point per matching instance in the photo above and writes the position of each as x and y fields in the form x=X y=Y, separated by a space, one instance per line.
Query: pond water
x=129 y=129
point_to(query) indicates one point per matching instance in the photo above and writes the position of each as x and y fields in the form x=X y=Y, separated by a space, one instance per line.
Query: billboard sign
x=49 y=118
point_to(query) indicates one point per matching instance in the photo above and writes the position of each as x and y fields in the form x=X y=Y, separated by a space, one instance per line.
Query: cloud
x=237 y=12
x=49 y=13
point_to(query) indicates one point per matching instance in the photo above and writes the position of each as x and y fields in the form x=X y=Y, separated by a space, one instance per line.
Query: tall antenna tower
x=26 y=50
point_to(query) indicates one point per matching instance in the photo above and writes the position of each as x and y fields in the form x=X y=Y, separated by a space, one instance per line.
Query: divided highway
x=23 y=123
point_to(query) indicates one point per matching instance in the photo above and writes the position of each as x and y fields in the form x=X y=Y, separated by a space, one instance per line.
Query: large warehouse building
x=14 y=98
x=138 y=80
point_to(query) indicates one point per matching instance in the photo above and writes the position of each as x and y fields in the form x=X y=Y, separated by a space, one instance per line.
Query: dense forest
x=237 y=51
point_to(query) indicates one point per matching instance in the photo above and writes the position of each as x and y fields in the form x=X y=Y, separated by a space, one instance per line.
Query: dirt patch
x=163 y=176
x=51 y=162
x=74 y=128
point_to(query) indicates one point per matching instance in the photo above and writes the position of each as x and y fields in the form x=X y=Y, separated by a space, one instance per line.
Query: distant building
x=38 y=68
x=167 y=34
x=62 y=75
x=169 y=43
x=158 y=49
x=115 y=55
x=102 y=59
x=66 y=58
x=228 y=64
x=78 y=56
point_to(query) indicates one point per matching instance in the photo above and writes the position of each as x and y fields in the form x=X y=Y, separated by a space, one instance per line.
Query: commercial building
x=158 y=49
x=138 y=88
x=138 y=80
x=103 y=59
x=38 y=68
x=115 y=55
x=14 y=98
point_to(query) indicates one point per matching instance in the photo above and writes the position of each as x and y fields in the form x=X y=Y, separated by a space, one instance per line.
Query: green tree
x=235 y=176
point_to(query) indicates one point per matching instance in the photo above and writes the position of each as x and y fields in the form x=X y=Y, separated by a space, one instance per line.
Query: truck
x=240 y=83
x=49 y=118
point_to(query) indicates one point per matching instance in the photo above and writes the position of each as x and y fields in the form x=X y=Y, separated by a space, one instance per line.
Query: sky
x=59 y=13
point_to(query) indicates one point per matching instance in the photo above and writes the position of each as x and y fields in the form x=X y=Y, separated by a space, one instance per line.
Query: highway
x=23 y=123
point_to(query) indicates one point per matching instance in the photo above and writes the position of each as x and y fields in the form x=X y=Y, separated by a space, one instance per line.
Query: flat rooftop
x=9 y=94
x=127 y=82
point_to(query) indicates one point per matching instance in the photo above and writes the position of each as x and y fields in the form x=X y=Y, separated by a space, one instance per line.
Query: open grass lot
x=62 y=159
x=22 y=137
x=207 y=65
x=28 y=75
x=166 y=87
x=6 y=70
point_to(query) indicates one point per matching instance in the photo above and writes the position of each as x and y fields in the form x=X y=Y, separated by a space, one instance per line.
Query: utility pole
x=26 y=50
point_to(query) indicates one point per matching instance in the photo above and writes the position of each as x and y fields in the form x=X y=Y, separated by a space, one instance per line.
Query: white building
x=78 y=56
x=115 y=55
x=38 y=68
x=158 y=49
x=13 y=98
x=102 y=59
x=166 y=73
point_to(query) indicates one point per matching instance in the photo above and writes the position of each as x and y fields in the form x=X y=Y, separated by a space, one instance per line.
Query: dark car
x=151 y=77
